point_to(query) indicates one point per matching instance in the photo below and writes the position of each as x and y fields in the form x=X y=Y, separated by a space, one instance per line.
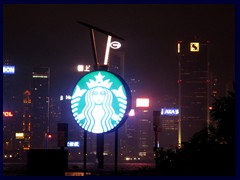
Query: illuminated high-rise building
x=214 y=86
x=145 y=133
x=9 y=93
x=139 y=132
x=8 y=134
x=169 y=127
x=27 y=120
x=40 y=107
x=194 y=91
x=11 y=111
x=168 y=136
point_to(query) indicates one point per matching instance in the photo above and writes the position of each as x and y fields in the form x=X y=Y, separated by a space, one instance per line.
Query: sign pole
x=94 y=47
x=116 y=151
x=85 y=152
x=100 y=150
x=100 y=137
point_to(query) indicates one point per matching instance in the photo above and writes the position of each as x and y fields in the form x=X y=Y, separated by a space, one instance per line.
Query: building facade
x=40 y=84
x=169 y=127
x=11 y=113
x=194 y=83
x=26 y=123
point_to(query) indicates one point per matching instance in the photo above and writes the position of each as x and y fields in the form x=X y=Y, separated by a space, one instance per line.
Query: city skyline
x=48 y=35
x=177 y=59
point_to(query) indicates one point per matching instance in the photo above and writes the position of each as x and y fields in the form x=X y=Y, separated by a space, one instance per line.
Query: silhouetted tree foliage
x=223 y=113
x=211 y=151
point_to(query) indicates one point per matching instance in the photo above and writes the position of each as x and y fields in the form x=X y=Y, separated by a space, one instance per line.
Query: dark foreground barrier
x=47 y=162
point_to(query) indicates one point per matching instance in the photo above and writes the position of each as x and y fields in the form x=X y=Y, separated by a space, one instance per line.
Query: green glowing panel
x=100 y=102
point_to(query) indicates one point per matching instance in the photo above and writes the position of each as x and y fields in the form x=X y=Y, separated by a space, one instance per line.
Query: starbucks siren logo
x=99 y=102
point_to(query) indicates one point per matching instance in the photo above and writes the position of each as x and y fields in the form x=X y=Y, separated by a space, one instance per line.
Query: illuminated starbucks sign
x=101 y=102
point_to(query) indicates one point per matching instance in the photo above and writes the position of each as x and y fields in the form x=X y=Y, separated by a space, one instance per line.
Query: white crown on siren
x=99 y=82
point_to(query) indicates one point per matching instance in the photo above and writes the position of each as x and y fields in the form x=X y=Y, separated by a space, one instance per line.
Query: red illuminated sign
x=7 y=114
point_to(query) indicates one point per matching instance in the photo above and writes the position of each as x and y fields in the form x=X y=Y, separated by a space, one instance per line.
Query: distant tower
x=116 y=65
x=169 y=122
x=144 y=133
x=194 y=88
x=116 y=62
x=214 y=87
x=11 y=113
x=40 y=107
x=27 y=119
x=8 y=85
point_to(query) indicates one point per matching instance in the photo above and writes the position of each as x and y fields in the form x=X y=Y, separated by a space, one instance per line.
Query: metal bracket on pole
x=94 y=47
x=110 y=35
x=100 y=30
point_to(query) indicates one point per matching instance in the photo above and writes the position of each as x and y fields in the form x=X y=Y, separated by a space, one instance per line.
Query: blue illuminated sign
x=8 y=69
x=73 y=144
x=101 y=102
x=169 y=112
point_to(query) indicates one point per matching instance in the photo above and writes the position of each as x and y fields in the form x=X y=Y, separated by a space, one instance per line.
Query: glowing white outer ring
x=115 y=45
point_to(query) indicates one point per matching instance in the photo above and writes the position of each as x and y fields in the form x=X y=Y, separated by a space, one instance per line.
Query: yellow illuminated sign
x=19 y=135
x=194 y=46
x=179 y=48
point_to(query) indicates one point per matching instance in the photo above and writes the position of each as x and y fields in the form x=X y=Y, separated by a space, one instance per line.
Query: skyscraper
x=145 y=133
x=40 y=107
x=194 y=92
x=169 y=127
x=27 y=119
x=11 y=111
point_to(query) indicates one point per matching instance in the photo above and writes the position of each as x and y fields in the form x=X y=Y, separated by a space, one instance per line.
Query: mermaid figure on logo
x=98 y=115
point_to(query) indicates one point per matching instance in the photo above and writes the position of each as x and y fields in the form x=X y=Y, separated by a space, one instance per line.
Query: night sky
x=48 y=35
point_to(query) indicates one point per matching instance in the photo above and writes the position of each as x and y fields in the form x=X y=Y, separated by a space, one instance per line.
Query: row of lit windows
x=24 y=116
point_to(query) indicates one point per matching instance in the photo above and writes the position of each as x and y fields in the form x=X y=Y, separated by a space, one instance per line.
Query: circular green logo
x=100 y=102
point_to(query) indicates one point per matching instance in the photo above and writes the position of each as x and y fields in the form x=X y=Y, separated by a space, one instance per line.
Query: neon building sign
x=7 y=114
x=194 y=46
x=19 y=135
x=115 y=45
x=169 y=112
x=101 y=102
x=8 y=69
x=83 y=68
x=73 y=144
x=142 y=102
